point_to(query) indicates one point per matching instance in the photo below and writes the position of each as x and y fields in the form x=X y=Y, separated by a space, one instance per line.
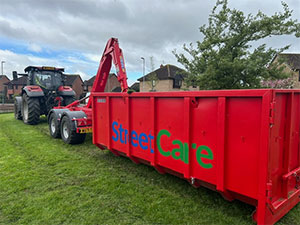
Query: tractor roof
x=43 y=68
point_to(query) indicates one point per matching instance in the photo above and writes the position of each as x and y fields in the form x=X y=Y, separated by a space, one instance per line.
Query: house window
x=153 y=83
x=177 y=81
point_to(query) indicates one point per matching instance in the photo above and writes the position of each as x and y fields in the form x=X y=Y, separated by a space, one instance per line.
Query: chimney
x=161 y=65
x=15 y=75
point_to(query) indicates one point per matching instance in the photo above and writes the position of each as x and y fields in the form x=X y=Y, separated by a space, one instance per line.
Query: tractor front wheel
x=18 y=108
x=68 y=132
x=30 y=110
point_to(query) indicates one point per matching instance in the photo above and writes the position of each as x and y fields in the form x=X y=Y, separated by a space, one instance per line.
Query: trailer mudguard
x=33 y=91
x=66 y=91
x=74 y=115
x=57 y=112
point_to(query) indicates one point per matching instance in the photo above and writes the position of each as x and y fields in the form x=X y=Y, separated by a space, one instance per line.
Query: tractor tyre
x=68 y=132
x=18 y=108
x=30 y=110
x=54 y=126
x=68 y=100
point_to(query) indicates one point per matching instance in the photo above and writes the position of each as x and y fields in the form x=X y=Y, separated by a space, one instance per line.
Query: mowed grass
x=44 y=181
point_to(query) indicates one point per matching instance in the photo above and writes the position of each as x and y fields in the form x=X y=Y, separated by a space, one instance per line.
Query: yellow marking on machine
x=85 y=130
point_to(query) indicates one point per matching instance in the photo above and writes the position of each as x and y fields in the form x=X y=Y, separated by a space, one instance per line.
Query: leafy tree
x=226 y=59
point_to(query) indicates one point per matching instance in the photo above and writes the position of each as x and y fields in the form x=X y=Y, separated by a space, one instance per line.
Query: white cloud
x=84 y=76
x=150 y=28
x=93 y=57
x=18 y=62
x=34 y=48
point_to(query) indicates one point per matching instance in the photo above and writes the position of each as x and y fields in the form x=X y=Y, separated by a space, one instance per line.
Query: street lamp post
x=2 y=62
x=142 y=58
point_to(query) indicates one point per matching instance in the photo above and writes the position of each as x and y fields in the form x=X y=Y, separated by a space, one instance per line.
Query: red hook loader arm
x=73 y=121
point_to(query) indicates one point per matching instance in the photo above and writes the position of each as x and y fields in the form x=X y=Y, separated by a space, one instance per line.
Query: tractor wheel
x=69 y=100
x=54 y=126
x=68 y=132
x=30 y=110
x=18 y=107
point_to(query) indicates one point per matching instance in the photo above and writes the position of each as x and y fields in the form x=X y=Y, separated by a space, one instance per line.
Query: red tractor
x=45 y=89
x=73 y=121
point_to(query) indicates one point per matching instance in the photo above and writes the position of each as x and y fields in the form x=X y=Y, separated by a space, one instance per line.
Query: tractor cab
x=48 y=78
x=45 y=89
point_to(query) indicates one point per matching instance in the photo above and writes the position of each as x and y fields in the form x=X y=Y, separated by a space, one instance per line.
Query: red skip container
x=241 y=143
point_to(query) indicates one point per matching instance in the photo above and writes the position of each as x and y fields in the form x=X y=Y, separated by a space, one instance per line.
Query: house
x=14 y=87
x=135 y=87
x=165 y=78
x=3 y=89
x=112 y=85
x=75 y=82
x=292 y=65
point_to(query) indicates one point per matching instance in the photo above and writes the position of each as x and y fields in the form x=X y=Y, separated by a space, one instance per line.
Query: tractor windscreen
x=50 y=80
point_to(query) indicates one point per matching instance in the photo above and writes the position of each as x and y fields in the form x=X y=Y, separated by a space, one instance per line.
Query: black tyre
x=54 y=126
x=68 y=100
x=68 y=132
x=30 y=110
x=17 y=108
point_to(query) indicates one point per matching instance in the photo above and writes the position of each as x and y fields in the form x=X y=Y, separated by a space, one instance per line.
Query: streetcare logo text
x=179 y=152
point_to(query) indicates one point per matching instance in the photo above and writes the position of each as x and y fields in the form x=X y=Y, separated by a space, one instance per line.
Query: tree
x=226 y=59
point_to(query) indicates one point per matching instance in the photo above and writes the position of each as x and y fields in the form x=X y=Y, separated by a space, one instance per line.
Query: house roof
x=164 y=72
x=135 y=86
x=293 y=60
x=70 y=79
x=90 y=81
x=19 y=81
x=4 y=77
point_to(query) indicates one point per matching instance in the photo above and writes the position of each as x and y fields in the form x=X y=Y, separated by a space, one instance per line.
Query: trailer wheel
x=54 y=126
x=68 y=132
x=30 y=110
x=17 y=108
x=69 y=100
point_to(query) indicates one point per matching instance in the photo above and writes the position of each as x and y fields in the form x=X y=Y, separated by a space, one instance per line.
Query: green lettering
x=175 y=150
x=186 y=153
x=200 y=155
x=183 y=151
x=161 y=133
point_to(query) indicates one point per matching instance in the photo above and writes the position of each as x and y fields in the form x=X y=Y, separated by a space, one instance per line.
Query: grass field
x=44 y=181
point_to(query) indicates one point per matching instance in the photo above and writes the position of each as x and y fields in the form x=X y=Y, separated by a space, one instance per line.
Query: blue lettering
x=116 y=138
x=121 y=131
x=143 y=139
x=151 y=138
x=134 y=137
x=126 y=137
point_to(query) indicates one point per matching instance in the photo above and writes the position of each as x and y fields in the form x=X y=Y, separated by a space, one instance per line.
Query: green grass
x=44 y=181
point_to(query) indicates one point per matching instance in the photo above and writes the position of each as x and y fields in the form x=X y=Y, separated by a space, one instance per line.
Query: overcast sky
x=73 y=33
